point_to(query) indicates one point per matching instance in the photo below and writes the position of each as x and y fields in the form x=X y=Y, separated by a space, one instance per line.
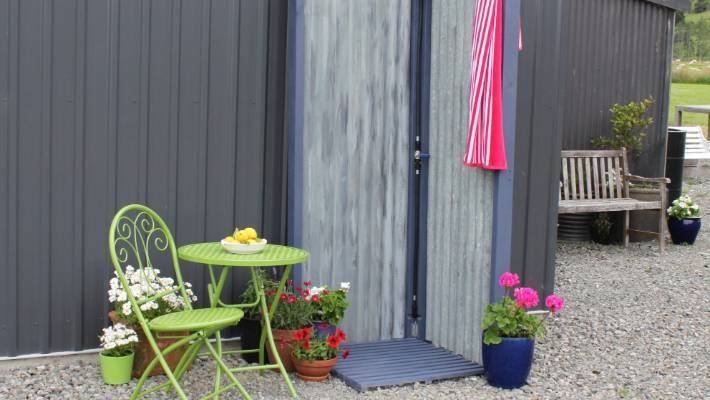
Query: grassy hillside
x=704 y=16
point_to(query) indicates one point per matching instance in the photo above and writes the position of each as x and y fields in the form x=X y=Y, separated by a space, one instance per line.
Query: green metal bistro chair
x=137 y=232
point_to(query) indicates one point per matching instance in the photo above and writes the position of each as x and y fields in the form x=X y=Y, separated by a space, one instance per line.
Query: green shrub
x=628 y=124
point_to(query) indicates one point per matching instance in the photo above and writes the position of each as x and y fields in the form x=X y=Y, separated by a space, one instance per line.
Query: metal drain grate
x=399 y=362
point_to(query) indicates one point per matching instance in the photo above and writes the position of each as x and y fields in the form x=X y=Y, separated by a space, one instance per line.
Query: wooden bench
x=597 y=181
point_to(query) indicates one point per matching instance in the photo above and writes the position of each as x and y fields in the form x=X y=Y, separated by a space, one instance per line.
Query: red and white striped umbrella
x=485 y=147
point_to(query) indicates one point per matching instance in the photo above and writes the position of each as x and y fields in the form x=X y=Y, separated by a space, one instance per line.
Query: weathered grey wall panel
x=355 y=141
x=176 y=104
x=616 y=52
x=460 y=199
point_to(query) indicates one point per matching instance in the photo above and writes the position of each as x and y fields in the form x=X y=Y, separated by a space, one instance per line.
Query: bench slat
x=580 y=206
x=591 y=153
x=595 y=163
x=573 y=178
x=580 y=174
x=565 y=178
x=618 y=177
x=588 y=178
x=602 y=164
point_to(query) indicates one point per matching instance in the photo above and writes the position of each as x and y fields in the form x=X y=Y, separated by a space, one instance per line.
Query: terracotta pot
x=284 y=346
x=144 y=354
x=314 y=370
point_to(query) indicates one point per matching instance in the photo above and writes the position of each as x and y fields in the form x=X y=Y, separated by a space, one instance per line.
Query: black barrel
x=675 y=155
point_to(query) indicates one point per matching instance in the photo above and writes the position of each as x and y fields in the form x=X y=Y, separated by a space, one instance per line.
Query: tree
x=701 y=6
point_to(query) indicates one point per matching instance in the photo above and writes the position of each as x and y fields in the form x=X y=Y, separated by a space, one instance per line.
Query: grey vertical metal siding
x=176 y=104
x=356 y=159
x=460 y=199
x=616 y=52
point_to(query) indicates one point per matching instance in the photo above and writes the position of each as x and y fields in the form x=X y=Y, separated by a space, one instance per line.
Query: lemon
x=251 y=232
x=229 y=239
x=242 y=236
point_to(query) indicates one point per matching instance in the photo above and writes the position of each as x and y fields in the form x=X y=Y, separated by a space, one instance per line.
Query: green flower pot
x=116 y=370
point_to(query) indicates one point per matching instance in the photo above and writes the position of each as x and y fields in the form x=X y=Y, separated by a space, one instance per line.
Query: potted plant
x=328 y=307
x=315 y=357
x=293 y=313
x=144 y=284
x=116 y=358
x=628 y=125
x=250 y=325
x=601 y=228
x=684 y=220
x=509 y=333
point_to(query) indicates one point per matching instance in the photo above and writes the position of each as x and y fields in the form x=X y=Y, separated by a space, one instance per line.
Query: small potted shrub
x=144 y=285
x=328 y=307
x=684 y=220
x=250 y=325
x=509 y=333
x=315 y=357
x=117 y=355
x=601 y=228
x=293 y=313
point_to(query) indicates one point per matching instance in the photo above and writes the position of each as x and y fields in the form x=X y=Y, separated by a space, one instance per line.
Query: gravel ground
x=636 y=325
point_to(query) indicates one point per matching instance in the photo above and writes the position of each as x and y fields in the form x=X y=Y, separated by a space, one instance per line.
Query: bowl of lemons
x=243 y=241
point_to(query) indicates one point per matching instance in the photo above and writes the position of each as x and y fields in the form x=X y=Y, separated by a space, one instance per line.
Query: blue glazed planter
x=507 y=365
x=323 y=329
x=683 y=230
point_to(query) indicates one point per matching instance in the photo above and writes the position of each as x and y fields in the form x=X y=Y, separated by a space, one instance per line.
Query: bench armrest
x=636 y=178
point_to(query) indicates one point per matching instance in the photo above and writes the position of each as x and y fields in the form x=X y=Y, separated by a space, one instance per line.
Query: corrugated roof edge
x=680 y=5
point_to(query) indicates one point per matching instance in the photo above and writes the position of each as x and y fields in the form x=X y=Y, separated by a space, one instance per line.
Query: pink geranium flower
x=526 y=297
x=509 y=280
x=554 y=303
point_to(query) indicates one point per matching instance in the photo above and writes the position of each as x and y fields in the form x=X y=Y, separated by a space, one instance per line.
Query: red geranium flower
x=299 y=335
x=290 y=282
x=291 y=299
x=315 y=298
x=308 y=331
x=333 y=342
x=340 y=334
x=305 y=292
x=325 y=291
x=346 y=354
x=306 y=344
x=283 y=296
x=270 y=293
x=307 y=283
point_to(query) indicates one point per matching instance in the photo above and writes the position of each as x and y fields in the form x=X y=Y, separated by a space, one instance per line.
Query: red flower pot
x=284 y=346
x=314 y=370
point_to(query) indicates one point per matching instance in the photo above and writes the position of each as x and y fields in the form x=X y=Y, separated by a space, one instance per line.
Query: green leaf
x=491 y=337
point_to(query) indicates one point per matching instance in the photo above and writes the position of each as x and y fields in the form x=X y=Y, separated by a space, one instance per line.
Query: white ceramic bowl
x=238 y=248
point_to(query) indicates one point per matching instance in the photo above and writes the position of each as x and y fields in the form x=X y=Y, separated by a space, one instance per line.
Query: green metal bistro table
x=212 y=255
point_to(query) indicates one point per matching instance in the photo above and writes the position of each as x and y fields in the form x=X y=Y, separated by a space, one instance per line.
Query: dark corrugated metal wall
x=177 y=104
x=579 y=57
x=615 y=52
x=537 y=145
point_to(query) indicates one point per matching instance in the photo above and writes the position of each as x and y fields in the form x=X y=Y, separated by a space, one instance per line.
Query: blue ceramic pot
x=683 y=230
x=323 y=329
x=507 y=365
